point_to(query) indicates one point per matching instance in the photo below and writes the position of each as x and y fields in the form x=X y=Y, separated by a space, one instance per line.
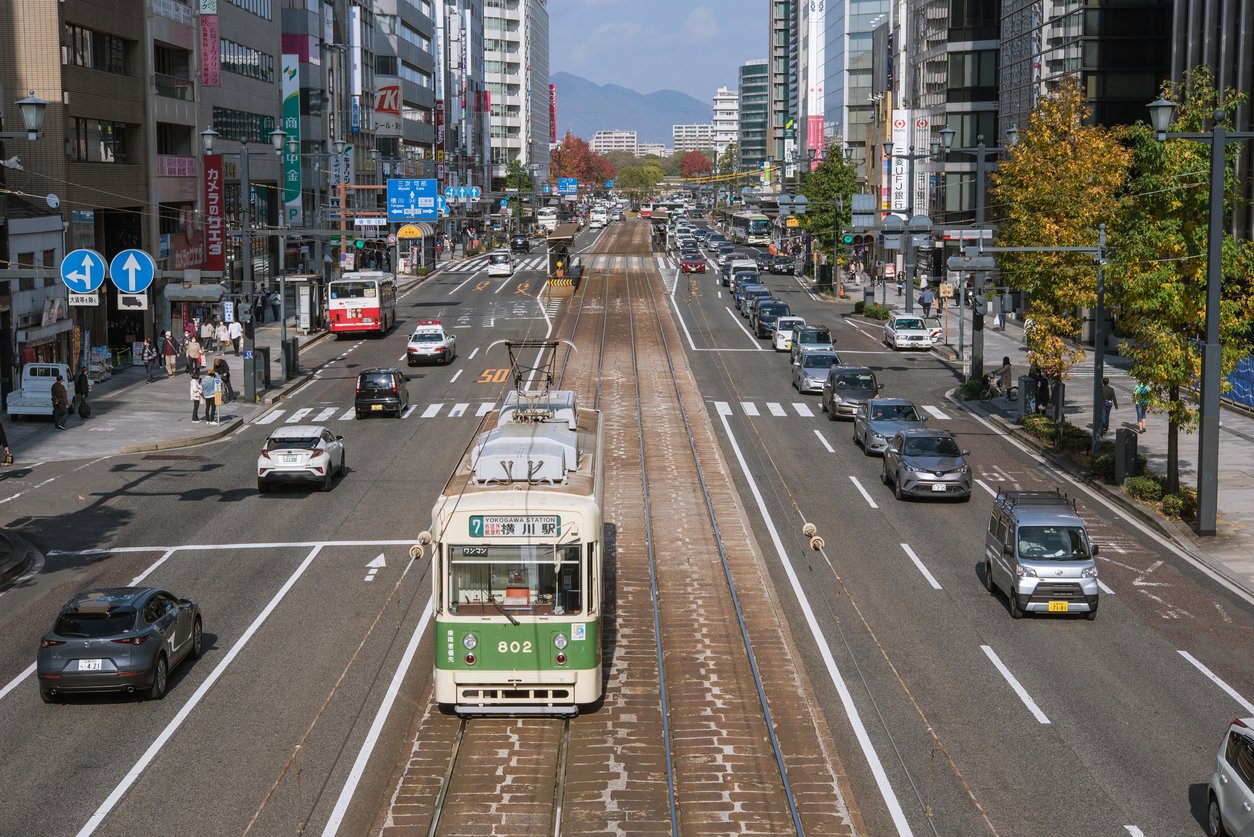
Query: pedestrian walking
x=274 y=305
x=149 y=357
x=209 y=386
x=206 y=334
x=1042 y=390
x=237 y=334
x=60 y=404
x=1109 y=402
x=259 y=308
x=223 y=370
x=221 y=336
x=170 y=352
x=81 y=387
x=6 y=458
x=197 y=392
x=925 y=299
x=1141 y=397
x=193 y=355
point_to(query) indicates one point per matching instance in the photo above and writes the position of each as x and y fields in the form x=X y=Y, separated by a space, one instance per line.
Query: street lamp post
x=278 y=138
x=32 y=110
x=1218 y=137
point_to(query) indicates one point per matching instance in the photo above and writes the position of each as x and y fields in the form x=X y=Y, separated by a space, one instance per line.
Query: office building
x=847 y=105
x=754 y=113
x=604 y=142
x=781 y=130
x=811 y=136
x=692 y=137
x=657 y=149
x=726 y=118
x=516 y=57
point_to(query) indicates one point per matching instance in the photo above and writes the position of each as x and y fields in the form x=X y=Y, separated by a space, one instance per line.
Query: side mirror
x=1096 y=549
x=1008 y=549
x=893 y=451
x=925 y=418
x=339 y=438
x=188 y=602
x=966 y=453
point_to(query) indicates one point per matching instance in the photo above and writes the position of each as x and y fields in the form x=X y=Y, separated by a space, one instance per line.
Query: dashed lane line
x=1016 y=685
x=931 y=579
x=1214 y=678
x=824 y=442
x=863 y=492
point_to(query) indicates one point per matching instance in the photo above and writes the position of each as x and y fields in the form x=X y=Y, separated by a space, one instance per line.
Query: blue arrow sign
x=609 y=184
x=441 y=205
x=547 y=188
x=475 y=192
x=83 y=271
x=412 y=200
x=504 y=201
x=568 y=185
x=462 y=192
x=132 y=271
x=450 y=192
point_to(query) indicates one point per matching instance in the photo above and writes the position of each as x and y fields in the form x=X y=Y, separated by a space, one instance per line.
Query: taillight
x=1236 y=722
x=265 y=454
x=439 y=349
x=48 y=643
x=133 y=640
x=318 y=451
x=395 y=388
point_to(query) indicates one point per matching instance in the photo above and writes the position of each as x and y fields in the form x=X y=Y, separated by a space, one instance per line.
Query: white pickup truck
x=34 y=398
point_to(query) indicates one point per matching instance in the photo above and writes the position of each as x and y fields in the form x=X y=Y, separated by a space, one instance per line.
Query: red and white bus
x=362 y=302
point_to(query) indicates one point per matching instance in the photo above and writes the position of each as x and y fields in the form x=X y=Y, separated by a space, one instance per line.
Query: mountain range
x=585 y=107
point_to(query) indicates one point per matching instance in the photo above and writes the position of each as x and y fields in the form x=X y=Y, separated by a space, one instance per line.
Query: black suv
x=381 y=391
x=520 y=244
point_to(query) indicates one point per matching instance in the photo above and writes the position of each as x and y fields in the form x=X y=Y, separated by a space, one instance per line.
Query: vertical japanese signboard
x=291 y=124
x=552 y=114
x=439 y=140
x=899 y=196
x=210 y=59
x=215 y=238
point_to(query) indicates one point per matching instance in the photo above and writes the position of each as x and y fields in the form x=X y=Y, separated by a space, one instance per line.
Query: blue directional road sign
x=412 y=200
x=568 y=185
x=83 y=271
x=450 y=192
x=462 y=192
x=609 y=184
x=547 y=188
x=441 y=204
x=475 y=192
x=132 y=271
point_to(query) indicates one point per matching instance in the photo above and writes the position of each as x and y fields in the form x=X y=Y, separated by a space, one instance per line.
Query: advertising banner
x=815 y=139
x=210 y=59
x=920 y=139
x=900 y=198
x=291 y=124
x=439 y=140
x=387 y=106
x=552 y=114
x=215 y=238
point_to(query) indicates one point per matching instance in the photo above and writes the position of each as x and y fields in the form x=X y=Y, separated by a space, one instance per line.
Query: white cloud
x=701 y=25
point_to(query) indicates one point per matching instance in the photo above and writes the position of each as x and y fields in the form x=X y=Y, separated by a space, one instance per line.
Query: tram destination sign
x=514 y=525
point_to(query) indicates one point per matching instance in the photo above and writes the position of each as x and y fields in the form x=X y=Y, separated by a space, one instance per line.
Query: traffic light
x=847 y=239
x=861 y=240
x=359 y=243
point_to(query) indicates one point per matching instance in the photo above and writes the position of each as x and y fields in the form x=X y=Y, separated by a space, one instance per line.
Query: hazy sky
x=694 y=46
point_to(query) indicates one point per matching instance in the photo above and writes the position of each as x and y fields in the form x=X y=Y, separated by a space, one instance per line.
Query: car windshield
x=856 y=380
x=426 y=337
x=894 y=412
x=93 y=624
x=816 y=360
x=292 y=442
x=1053 y=543
x=517 y=579
x=908 y=323
x=931 y=446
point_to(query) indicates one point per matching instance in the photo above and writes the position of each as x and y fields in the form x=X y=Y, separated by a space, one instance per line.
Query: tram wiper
x=504 y=612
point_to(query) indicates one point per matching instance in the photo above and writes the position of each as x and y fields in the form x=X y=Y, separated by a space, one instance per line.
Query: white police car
x=430 y=343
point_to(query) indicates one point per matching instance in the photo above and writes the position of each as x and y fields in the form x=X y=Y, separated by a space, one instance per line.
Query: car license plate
x=1058 y=607
x=89 y=665
x=376 y=406
x=289 y=458
x=938 y=486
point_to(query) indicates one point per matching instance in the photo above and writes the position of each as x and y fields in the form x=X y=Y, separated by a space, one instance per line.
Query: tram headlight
x=560 y=641
x=469 y=641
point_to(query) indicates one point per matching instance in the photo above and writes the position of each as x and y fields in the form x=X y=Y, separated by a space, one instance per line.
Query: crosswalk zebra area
x=481 y=263
x=590 y=262
x=320 y=414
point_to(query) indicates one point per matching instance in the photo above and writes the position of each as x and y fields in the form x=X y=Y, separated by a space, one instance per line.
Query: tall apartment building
x=657 y=149
x=847 y=106
x=726 y=118
x=604 y=142
x=516 y=61
x=404 y=88
x=781 y=140
x=695 y=137
x=754 y=113
x=808 y=107
x=462 y=129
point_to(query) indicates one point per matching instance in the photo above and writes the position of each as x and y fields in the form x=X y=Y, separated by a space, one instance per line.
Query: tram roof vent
x=532 y=453
x=555 y=406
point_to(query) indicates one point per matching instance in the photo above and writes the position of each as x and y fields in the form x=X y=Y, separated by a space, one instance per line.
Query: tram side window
x=519 y=579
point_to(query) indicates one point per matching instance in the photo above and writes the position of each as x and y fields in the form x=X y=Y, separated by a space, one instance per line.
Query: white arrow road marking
x=372 y=569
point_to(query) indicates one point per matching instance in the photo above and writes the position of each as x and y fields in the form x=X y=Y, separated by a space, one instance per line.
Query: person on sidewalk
x=1042 y=391
x=1109 y=402
x=925 y=299
x=1141 y=397
x=209 y=385
x=81 y=388
x=193 y=355
x=222 y=336
x=197 y=393
x=206 y=335
x=60 y=404
x=223 y=371
x=170 y=352
x=274 y=305
x=237 y=335
x=149 y=357
x=1005 y=376
x=6 y=458
x=259 y=308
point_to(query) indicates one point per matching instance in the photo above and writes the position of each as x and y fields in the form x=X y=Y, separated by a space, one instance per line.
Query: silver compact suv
x=1037 y=551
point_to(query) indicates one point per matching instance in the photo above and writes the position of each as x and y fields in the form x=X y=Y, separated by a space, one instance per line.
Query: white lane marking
x=298 y=415
x=349 y=414
x=1134 y=831
x=737 y=319
x=833 y=671
x=504 y=284
x=453 y=379
x=749 y=407
x=776 y=408
x=302 y=387
x=399 y=359
x=1105 y=589
x=13 y=684
x=432 y=411
x=471 y=356
x=679 y=316
x=722 y=408
x=931 y=579
x=469 y=276
x=164 y=557
x=824 y=443
x=1214 y=678
x=984 y=485
x=409 y=411
x=325 y=415
x=134 y=773
x=936 y=411
x=485 y=407
x=270 y=418
x=803 y=410
x=458 y=410
x=865 y=496
x=1016 y=685
x=376 y=727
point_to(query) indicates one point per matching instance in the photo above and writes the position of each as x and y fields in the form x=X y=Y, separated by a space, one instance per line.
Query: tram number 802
x=515 y=647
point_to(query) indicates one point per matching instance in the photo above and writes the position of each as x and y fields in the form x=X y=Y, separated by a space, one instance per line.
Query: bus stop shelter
x=563 y=274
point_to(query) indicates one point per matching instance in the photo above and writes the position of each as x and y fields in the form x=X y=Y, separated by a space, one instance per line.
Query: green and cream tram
x=518 y=563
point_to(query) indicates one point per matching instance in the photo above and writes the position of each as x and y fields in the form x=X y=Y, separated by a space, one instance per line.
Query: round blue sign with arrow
x=462 y=192
x=132 y=271
x=83 y=271
x=450 y=192
x=475 y=192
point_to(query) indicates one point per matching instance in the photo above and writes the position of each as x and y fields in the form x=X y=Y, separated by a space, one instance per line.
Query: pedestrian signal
x=846 y=239
x=359 y=243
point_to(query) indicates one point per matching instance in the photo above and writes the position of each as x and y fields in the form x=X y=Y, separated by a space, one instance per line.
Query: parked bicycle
x=994 y=390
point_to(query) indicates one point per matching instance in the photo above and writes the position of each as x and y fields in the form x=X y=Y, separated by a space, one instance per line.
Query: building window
x=972 y=76
x=413 y=36
x=95 y=50
x=385 y=65
x=417 y=76
x=246 y=61
x=261 y=8
x=95 y=140
x=242 y=126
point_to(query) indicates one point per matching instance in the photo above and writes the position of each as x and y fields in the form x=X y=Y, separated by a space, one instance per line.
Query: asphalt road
x=1108 y=728
x=307 y=633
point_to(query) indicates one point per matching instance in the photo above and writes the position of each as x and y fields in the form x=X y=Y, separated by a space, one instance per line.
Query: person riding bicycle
x=1005 y=375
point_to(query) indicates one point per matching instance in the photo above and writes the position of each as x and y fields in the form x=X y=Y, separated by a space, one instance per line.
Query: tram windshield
x=519 y=579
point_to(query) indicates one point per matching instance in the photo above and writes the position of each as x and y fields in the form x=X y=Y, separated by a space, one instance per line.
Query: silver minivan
x=1037 y=551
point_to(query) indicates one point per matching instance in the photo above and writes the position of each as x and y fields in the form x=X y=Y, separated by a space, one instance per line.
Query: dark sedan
x=520 y=244
x=926 y=463
x=765 y=315
x=763 y=260
x=118 y=639
x=784 y=265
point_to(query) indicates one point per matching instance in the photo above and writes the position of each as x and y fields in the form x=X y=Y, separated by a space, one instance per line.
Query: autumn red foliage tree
x=695 y=164
x=573 y=157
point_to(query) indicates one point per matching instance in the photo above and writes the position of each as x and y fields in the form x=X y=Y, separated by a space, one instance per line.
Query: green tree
x=836 y=179
x=1060 y=182
x=729 y=160
x=1158 y=261
x=638 y=182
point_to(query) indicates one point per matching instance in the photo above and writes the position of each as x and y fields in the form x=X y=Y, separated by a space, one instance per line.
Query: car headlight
x=469 y=642
x=836 y=399
x=1025 y=572
x=559 y=641
x=1091 y=572
x=915 y=469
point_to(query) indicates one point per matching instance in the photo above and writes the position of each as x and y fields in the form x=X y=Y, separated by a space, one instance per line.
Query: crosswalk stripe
x=749 y=407
x=325 y=415
x=776 y=409
x=722 y=408
x=458 y=410
x=803 y=410
x=409 y=411
x=349 y=414
x=270 y=417
x=298 y=415
x=432 y=411
x=484 y=409
x=936 y=412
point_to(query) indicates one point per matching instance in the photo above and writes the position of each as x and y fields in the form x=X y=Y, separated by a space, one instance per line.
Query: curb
x=171 y=444
x=1175 y=532
x=18 y=566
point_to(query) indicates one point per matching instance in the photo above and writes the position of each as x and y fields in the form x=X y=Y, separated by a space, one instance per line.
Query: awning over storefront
x=195 y=293
x=43 y=334
x=415 y=229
